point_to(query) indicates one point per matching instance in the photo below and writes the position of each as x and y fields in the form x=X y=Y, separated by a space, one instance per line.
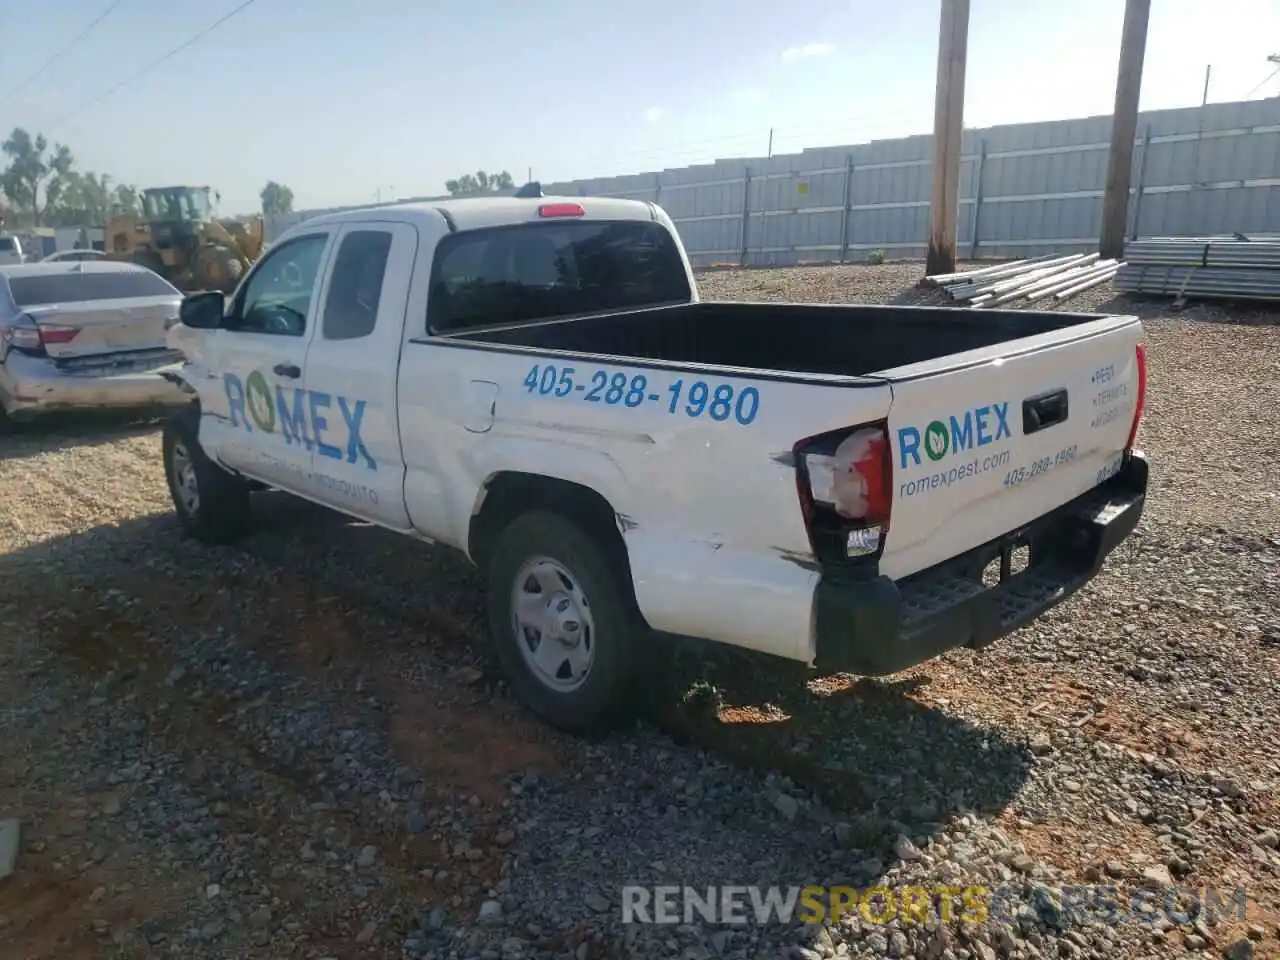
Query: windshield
x=75 y=287
x=539 y=271
x=178 y=204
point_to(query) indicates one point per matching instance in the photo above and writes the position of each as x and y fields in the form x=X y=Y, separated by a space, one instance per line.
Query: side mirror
x=202 y=311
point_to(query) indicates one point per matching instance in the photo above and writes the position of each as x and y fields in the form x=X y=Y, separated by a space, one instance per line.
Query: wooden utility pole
x=948 y=125
x=1124 y=129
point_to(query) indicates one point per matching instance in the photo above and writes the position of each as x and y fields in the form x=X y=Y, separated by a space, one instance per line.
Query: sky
x=350 y=102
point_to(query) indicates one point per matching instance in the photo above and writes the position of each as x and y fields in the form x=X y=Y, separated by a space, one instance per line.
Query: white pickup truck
x=535 y=382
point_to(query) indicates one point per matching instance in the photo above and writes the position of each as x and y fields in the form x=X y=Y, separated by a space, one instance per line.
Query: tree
x=276 y=198
x=472 y=184
x=89 y=200
x=83 y=201
x=126 y=202
x=32 y=169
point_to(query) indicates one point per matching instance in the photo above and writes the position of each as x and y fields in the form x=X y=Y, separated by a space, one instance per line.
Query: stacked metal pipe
x=1059 y=277
x=1226 y=268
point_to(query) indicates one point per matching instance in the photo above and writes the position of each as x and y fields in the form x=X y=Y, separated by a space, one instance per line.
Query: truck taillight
x=845 y=484
x=561 y=210
x=1142 y=397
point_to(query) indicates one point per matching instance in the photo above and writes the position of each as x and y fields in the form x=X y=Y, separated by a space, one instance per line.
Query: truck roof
x=474 y=213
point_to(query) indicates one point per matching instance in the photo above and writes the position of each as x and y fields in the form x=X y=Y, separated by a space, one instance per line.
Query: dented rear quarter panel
x=708 y=505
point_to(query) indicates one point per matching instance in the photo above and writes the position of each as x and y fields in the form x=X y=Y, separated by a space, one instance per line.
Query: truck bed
x=840 y=340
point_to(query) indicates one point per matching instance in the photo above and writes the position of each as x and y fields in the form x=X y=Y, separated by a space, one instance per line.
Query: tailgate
x=1005 y=435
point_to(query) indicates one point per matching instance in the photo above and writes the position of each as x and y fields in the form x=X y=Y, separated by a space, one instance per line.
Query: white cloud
x=809 y=50
x=654 y=114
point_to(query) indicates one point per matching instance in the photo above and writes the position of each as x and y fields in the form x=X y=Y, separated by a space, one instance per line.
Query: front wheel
x=212 y=504
x=563 y=622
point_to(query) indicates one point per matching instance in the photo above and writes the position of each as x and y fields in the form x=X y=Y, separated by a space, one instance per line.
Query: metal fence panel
x=1025 y=189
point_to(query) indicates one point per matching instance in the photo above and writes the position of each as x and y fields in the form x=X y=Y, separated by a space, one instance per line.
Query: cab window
x=277 y=298
x=355 y=288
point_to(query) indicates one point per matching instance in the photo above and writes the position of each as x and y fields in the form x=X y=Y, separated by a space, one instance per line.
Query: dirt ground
x=296 y=747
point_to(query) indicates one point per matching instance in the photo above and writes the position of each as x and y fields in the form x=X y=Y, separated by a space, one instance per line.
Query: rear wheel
x=563 y=622
x=212 y=504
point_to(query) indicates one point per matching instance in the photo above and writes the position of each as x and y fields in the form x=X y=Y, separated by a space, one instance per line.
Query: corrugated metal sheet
x=1196 y=172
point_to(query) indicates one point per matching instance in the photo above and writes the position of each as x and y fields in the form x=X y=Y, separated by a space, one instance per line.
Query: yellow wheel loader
x=179 y=238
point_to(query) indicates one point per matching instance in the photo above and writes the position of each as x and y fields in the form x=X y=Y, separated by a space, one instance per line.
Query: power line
x=153 y=64
x=1264 y=82
x=63 y=51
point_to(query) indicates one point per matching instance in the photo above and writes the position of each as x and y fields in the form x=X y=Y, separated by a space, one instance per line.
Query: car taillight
x=21 y=335
x=57 y=333
x=845 y=483
x=1142 y=397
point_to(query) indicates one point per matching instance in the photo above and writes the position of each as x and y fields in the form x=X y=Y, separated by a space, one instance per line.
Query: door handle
x=290 y=370
x=1044 y=410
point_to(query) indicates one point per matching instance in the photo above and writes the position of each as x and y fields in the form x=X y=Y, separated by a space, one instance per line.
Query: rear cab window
x=76 y=287
x=541 y=271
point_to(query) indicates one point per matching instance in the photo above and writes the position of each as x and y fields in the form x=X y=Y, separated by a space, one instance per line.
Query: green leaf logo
x=258 y=395
x=936 y=440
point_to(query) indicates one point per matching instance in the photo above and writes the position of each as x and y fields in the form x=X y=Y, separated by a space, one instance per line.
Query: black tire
x=604 y=696
x=13 y=425
x=221 y=512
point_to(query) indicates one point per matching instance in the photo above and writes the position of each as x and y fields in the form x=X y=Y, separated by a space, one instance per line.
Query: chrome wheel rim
x=552 y=623
x=184 y=476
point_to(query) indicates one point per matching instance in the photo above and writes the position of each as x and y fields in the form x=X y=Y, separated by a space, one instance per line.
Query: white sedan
x=63 y=256
x=85 y=334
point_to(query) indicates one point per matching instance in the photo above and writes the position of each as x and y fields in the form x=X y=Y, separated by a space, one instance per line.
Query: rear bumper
x=30 y=386
x=876 y=627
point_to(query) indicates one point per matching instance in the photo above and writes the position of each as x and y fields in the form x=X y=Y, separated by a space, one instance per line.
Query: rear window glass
x=6 y=243
x=545 y=270
x=74 y=287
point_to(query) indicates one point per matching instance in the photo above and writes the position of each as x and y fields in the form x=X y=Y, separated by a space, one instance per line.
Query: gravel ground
x=296 y=747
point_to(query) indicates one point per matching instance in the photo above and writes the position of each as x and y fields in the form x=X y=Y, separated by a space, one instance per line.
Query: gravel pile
x=296 y=747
